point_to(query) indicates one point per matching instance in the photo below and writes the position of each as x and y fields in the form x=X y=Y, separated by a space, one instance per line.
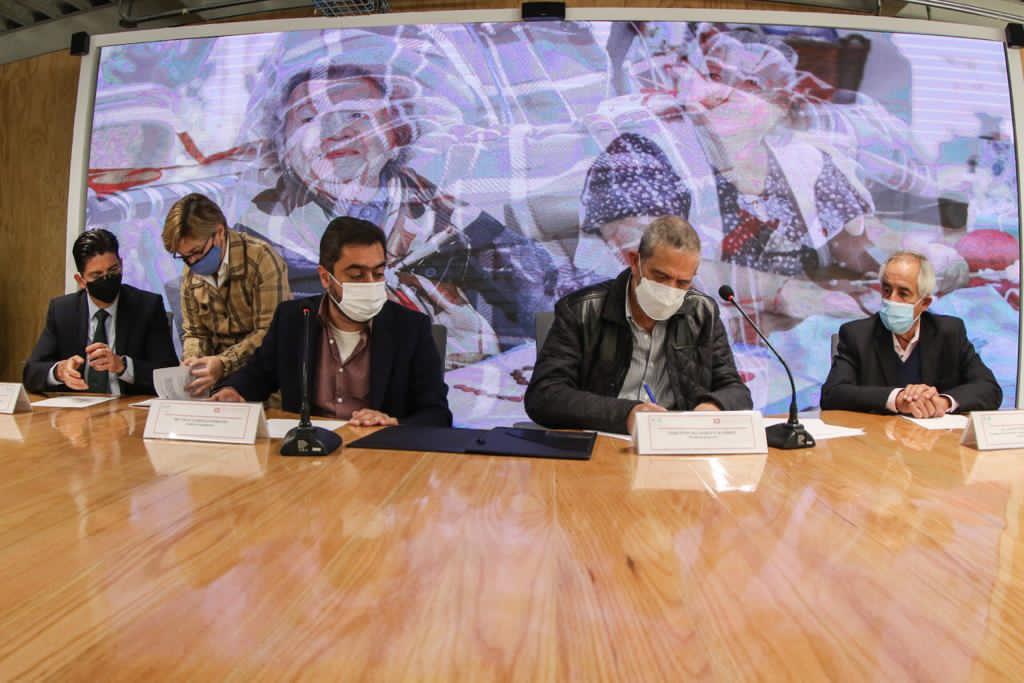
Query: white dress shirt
x=128 y=375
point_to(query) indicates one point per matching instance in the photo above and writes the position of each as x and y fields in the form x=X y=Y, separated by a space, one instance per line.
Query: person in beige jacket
x=231 y=285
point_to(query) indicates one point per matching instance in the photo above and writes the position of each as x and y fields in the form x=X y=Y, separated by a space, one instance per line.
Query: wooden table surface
x=891 y=556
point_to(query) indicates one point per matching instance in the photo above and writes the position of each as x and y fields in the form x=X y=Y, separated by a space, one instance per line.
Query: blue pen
x=650 y=394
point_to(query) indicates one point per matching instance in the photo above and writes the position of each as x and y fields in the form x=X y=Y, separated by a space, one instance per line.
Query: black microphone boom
x=306 y=439
x=789 y=434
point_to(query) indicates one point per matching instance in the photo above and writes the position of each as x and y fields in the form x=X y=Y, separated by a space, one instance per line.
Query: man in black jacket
x=646 y=330
x=107 y=337
x=373 y=362
x=906 y=360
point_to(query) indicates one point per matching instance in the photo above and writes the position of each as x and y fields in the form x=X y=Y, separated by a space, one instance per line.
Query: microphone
x=306 y=439
x=790 y=434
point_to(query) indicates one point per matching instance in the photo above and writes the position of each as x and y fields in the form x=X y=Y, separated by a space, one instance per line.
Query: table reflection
x=10 y=430
x=994 y=466
x=206 y=459
x=716 y=474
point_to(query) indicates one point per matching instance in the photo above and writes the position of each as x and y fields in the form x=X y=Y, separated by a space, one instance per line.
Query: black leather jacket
x=581 y=368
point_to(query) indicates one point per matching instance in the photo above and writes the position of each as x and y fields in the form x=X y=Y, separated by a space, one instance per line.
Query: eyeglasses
x=115 y=270
x=193 y=256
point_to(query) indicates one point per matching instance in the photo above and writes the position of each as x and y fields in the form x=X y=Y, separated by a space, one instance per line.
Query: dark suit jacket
x=585 y=358
x=406 y=380
x=865 y=367
x=142 y=333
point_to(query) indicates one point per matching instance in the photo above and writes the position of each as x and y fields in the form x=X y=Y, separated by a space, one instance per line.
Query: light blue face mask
x=897 y=317
x=209 y=264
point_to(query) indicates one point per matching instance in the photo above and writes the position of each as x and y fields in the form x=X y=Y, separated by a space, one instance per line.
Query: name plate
x=989 y=430
x=205 y=421
x=13 y=398
x=700 y=433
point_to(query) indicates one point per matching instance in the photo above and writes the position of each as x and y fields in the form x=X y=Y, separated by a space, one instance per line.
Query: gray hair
x=672 y=231
x=925 y=271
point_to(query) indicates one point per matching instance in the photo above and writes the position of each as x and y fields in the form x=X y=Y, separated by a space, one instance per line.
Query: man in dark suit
x=906 y=360
x=374 y=362
x=107 y=337
x=646 y=335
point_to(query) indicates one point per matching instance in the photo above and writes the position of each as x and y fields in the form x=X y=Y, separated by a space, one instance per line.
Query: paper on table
x=170 y=383
x=947 y=421
x=614 y=435
x=278 y=427
x=818 y=428
x=144 y=404
x=73 y=401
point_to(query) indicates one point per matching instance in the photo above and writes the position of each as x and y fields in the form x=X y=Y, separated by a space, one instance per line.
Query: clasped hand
x=921 y=401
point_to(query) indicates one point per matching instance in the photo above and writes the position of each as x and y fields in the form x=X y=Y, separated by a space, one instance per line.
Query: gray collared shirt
x=647 y=364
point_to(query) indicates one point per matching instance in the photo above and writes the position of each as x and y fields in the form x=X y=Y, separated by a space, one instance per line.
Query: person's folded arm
x=841 y=391
x=257 y=379
x=978 y=388
x=554 y=397
x=158 y=352
x=728 y=391
x=196 y=337
x=429 y=396
x=270 y=282
x=38 y=373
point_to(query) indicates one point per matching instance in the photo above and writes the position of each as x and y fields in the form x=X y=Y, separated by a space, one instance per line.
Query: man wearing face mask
x=373 y=362
x=106 y=338
x=645 y=341
x=231 y=285
x=906 y=360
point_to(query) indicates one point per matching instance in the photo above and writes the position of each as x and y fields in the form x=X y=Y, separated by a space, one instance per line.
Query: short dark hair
x=347 y=230
x=93 y=243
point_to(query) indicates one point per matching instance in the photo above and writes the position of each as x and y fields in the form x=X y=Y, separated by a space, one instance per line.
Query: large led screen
x=512 y=163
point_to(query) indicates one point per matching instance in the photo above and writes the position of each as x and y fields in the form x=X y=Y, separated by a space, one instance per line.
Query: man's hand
x=642 y=408
x=228 y=395
x=941 y=405
x=67 y=373
x=919 y=401
x=371 y=418
x=706 y=405
x=103 y=359
x=208 y=370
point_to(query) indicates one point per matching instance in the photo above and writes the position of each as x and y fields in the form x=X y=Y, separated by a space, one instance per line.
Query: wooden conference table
x=890 y=556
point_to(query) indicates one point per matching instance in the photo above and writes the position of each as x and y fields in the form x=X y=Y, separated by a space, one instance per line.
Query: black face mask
x=105 y=289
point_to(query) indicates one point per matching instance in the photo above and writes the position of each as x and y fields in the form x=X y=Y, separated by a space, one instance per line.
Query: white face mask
x=657 y=300
x=360 y=300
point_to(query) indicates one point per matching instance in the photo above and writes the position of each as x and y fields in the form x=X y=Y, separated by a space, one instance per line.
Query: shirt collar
x=325 y=320
x=904 y=353
x=630 y=320
x=111 y=309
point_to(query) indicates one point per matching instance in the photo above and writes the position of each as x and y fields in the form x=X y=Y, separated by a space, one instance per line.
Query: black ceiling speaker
x=1014 y=35
x=79 y=44
x=543 y=11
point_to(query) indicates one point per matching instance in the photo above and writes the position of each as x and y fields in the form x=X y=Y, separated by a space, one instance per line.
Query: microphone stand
x=790 y=434
x=307 y=439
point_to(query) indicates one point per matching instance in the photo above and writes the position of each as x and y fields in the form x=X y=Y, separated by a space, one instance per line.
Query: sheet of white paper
x=944 y=422
x=613 y=435
x=818 y=428
x=144 y=404
x=170 y=383
x=72 y=401
x=278 y=427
